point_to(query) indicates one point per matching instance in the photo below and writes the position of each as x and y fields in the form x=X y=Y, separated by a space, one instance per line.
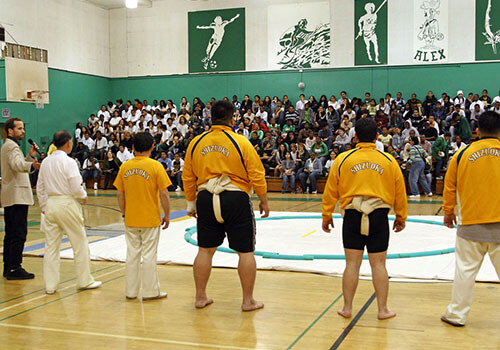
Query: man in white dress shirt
x=58 y=188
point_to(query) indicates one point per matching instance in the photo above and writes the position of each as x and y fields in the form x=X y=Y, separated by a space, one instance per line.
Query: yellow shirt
x=365 y=171
x=52 y=149
x=141 y=179
x=472 y=181
x=221 y=151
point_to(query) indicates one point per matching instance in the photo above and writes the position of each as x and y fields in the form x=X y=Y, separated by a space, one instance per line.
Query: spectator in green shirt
x=440 y=151
x=320 y=149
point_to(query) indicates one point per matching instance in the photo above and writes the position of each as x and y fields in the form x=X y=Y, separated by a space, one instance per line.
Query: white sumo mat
x=303 y=237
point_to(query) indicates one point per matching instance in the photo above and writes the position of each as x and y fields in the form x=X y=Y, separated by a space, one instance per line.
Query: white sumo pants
x=142 y=242
x=63 y=214
x=469 y=256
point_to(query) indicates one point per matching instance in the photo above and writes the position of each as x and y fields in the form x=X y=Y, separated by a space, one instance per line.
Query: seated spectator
x=320 y=149
x=385 y=138
x=342 y=139
x=288 y=173
x=279 y=156
x=91 y=170
x=382 y=120
x=176 y=146
x=256 y=141
x=310 y=140
x=292 y=115
x=110 y=167
x=290 y=139
x=302 y=156
x=426 y=145
x=457 y=144
x=326 y=135
x=431 y=134
x=313 y=170
x=346 y=124
x=397 y=140
x=288 y=127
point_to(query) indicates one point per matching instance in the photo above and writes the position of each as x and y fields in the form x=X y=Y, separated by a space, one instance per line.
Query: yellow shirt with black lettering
x=365 y=171
x=472 y=182
x=221 y=151
x=141 y=179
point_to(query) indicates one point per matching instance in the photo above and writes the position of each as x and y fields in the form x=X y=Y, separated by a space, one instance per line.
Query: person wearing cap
x=367 y=183
x=478 y=220
x=220 y=170
x=58 y=189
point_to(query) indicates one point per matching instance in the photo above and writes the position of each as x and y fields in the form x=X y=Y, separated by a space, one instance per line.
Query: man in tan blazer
x=16 y=196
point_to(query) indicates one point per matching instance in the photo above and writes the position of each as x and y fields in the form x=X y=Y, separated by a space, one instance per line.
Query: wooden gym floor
x=300 y=308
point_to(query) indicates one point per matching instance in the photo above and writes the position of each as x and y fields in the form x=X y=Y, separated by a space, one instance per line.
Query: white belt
x=216 y=186
x=366 y=205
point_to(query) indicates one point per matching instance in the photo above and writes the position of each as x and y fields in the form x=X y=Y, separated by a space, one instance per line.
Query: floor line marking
x=351 y=325
x=59 y=290
x=310 y=233
x=126 y=337
x=314 y=322
x=53 y=301
x=42 y=289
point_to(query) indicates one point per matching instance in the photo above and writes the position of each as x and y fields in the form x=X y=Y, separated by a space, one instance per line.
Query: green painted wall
x=356 y=81
x=73 y=97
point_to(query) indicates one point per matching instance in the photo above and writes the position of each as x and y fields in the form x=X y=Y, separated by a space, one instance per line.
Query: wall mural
x=301 y=36
x=217 y=40
x=371 y=28
x=487 y=30
x=430 y=31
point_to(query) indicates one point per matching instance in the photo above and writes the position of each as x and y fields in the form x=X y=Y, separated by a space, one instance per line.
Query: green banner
x=370 y=28
x=216 y=40
x=487 y=30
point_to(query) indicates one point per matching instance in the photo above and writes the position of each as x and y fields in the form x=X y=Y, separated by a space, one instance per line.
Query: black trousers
x=16 y=229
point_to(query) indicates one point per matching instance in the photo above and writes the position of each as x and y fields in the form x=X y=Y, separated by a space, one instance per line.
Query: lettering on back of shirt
x=495 y=152
x=215 y=148
x=367 y=166
x=136 y=171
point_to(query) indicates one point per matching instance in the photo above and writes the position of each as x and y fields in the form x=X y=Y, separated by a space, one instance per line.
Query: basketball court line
x=59 y=290
x=351 y=325
x=55 y=300
x=314 y=322
x=126 y=337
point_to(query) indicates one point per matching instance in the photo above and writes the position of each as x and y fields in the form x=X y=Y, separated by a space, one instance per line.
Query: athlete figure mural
x=429 y=31
x=491 y=38
x=367 y=29
x=218 y=26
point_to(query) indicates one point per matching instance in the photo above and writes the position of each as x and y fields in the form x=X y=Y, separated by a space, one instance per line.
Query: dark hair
x=415 y=140
x=10 y=124
x=61 y=137
x=142 y=141
x=222 y=111
x=489 y=123
x=366 y=129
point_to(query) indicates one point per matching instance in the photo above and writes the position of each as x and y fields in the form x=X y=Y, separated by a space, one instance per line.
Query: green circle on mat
x=272 y=255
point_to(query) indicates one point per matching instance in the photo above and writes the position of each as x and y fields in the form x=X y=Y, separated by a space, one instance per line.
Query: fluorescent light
x=131 y=4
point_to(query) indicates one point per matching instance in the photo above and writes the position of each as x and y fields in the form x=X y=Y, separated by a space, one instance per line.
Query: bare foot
x=386 y=314
x=252 y=305
x=200 y=304
x=344 y=313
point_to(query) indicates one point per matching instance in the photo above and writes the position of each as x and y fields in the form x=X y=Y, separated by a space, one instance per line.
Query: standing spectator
x=177 y=169
x=17 y=196
x=440 y=151
x=416 y=161
x=313 y=170
x=142 y=185
x=110 y=167
x=478 y=230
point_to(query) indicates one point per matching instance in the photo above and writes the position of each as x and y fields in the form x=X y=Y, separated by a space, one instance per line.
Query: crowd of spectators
x=295 y=140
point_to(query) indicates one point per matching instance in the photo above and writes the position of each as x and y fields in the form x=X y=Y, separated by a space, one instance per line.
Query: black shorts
x=239 y=221
x=378 y=239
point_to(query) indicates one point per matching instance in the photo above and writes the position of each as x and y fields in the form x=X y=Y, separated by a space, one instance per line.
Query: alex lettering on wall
x=430 y=31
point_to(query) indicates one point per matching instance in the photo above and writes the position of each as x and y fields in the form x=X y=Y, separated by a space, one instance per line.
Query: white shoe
x=159 y=296
x=178 y=189
x=95 y=185
x=415 y=196
x=50 y=292
x=93 y=285
x=428 y=194
x=84 y=186
x=314 y=192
